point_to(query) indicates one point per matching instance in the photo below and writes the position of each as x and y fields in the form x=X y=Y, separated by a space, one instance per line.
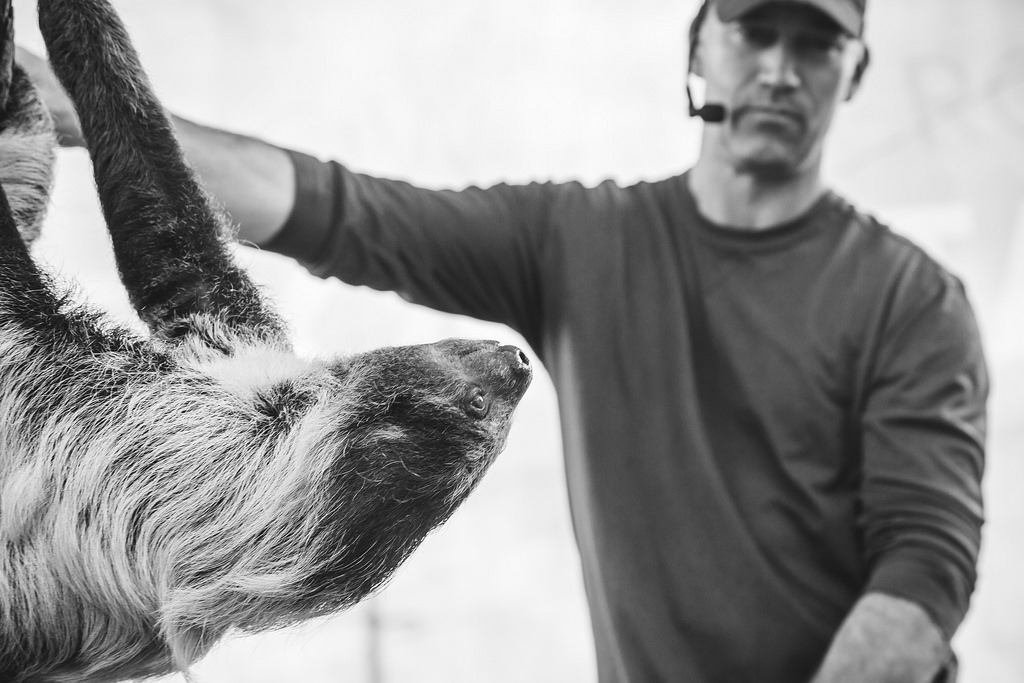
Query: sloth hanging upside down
x=157 y=492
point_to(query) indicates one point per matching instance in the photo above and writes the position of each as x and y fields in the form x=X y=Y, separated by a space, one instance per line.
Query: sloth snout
x=503 y=368
x=518 y=360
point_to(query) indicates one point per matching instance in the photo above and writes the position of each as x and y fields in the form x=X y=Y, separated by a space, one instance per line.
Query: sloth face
x=430 y=418
x=416 y=430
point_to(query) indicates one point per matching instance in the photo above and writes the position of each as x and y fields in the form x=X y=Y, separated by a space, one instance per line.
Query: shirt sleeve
x=924 y=433
x=474 y=251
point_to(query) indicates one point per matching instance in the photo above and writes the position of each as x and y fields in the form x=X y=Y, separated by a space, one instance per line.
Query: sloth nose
x=517 y=358
x=510 y=367
x=501 y=362
x=507 y=363
x=506 y=369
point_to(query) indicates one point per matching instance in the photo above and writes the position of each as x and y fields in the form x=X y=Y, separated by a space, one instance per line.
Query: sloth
x=157 y=491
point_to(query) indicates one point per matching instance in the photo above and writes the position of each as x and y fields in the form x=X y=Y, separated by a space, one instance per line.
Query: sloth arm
x=25 y=300
x=167 y=237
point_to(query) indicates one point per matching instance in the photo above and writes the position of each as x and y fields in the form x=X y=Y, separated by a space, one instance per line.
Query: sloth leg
x=27 y=139
x=26 y=300
x=169 y=240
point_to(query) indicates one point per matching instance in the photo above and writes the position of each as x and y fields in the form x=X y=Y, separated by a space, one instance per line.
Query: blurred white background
x=479 y=91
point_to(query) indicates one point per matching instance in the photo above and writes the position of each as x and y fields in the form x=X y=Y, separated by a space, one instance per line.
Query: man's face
x=780 y=70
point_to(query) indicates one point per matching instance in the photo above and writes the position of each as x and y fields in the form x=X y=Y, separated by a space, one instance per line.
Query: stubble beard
x=773 y=160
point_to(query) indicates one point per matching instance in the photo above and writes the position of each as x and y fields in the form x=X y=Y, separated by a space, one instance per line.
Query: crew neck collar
x=772 y=236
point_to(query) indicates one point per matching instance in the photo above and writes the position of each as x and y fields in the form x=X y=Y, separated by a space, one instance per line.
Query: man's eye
x=818 y=42
x=757 y=35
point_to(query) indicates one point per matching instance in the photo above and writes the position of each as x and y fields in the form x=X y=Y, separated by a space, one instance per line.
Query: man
x=773 y=409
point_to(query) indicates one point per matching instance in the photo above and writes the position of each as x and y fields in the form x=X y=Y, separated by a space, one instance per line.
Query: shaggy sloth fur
x=158 y=491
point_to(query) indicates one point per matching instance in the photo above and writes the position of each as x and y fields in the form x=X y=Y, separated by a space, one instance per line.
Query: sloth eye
x=477 y=405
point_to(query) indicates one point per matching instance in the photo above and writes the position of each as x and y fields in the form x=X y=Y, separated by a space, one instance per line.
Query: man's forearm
x=253 y=180
x=885 y=639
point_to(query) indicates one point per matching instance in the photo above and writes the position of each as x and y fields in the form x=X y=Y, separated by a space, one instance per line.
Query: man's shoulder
x=880 y=241
x=893 y=267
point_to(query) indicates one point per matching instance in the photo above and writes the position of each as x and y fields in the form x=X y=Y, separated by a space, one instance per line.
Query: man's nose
x=778 y=67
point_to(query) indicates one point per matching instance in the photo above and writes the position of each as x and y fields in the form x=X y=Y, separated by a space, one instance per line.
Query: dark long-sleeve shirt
x=759 y=426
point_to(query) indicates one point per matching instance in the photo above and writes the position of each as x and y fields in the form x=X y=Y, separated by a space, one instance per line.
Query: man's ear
x=694 y=65
x=696 y=62
x=863 y=60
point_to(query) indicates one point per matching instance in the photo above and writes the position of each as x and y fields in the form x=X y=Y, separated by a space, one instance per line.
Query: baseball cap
x=849 y=14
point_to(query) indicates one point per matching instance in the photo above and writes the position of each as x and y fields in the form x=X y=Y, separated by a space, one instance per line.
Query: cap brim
x=843 y=12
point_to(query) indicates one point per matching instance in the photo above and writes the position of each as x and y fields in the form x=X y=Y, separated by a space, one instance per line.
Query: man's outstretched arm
x=253 y=180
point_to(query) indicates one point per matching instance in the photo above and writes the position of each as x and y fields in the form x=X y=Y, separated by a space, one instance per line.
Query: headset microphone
x=710 y=112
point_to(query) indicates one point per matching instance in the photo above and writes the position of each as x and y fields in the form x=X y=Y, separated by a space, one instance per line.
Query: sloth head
x=438 y=413
x=414 y=435
x=428 y=419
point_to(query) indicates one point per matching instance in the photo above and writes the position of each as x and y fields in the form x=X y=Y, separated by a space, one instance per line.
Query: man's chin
x=771 y=157
x=769 y=168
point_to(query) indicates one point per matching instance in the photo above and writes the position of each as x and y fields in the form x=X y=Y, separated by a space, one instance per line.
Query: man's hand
x=69 y=132
x=885 y=639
